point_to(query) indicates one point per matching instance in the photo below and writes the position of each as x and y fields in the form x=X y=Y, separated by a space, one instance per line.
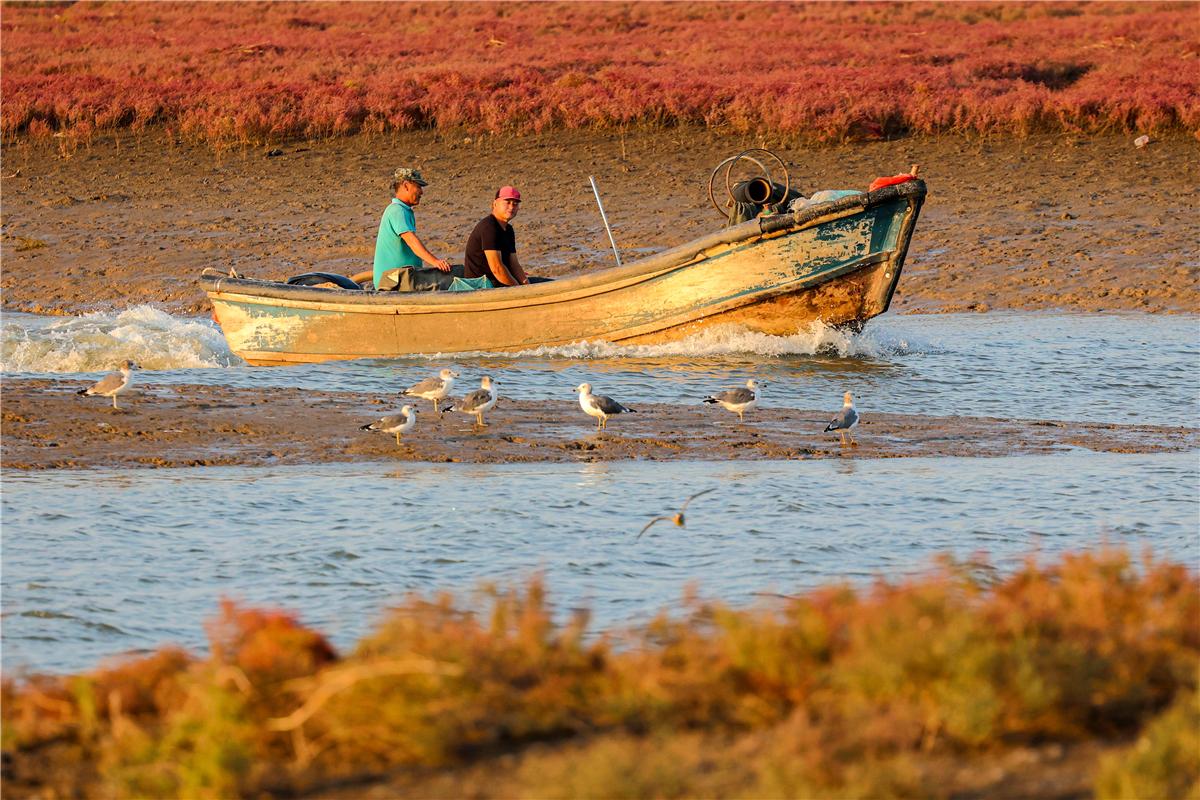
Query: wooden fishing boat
x=837 y=262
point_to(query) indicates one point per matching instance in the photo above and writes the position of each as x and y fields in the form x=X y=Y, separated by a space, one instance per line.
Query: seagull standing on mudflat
x=739 y=401
x=845 y=420
x=479 y=401
x=433 y=389
x=599 y=406
x=112 y=384
x=400 y=423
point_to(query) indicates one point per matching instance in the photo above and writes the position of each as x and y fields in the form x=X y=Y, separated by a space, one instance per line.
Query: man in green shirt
x=397 y=244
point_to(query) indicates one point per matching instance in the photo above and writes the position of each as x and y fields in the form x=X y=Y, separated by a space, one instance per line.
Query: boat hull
x=838 y=264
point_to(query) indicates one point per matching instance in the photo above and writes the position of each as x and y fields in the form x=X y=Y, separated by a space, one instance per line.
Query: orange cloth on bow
x=879 y=183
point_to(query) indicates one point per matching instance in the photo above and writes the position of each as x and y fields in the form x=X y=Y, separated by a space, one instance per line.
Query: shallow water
x=1102 y=368
x=101 y=562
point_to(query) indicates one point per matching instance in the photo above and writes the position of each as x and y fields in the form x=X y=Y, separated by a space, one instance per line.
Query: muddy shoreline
x=46 y=426
x=1045 y=222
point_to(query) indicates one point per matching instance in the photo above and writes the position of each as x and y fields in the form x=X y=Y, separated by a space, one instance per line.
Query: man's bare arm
x=422 y=253
x=498 y=269
x=517 y=270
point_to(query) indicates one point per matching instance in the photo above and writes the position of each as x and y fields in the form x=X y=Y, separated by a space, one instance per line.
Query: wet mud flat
x=1042 y=222
x=46 y=426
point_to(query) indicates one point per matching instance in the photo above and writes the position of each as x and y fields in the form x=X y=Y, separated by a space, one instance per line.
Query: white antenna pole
x=604 y=217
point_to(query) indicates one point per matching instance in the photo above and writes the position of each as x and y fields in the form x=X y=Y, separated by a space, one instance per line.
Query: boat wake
x=157 y=340
x=99 y=341
x=724 y=340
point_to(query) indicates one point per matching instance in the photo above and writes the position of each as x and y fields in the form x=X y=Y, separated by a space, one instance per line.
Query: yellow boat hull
x=838 y=263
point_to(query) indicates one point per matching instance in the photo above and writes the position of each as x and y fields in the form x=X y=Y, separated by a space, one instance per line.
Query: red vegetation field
x=834 y=693
x=241 y=72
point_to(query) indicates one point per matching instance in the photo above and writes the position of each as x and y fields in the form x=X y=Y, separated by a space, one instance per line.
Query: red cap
x=508 y=193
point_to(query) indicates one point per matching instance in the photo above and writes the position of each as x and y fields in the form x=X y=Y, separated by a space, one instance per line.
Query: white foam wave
x=100 y=341
x=723 y=340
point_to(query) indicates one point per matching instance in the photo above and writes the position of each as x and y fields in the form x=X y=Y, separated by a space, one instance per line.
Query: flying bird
x=398 y=424
x=479 y=401
x=739 y=401
x=433 y=389
x=599 y=406
x=112 y=384
x=846 y=419
x=678 y=518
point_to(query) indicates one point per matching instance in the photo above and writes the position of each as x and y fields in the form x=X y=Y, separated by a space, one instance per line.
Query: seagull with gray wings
x=112 y=384
x=599 y=406
x=479 y=401
x=678 y=518
x=845 y=420
x=433 y=389
x=739 y=401
x=398 y=424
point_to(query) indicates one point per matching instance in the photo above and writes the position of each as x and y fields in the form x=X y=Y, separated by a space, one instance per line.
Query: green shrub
x=1163 y=763
x=835 y=693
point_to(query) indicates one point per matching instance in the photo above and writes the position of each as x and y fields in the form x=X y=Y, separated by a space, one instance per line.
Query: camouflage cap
x=409 y=174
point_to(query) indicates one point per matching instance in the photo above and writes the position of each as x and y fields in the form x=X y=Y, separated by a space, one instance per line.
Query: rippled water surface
x=1102 y=368
x=97 y=563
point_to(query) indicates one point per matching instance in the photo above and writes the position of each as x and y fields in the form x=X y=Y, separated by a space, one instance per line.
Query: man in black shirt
x=492 y=246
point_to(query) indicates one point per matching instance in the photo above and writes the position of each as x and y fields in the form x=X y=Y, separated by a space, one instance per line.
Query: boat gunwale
x=251 y=290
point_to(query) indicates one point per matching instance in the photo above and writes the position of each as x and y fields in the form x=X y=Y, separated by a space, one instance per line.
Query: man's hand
x=423 y=252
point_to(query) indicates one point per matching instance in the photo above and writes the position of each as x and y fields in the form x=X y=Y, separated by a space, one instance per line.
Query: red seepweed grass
x=835 y=692
x=248 y=73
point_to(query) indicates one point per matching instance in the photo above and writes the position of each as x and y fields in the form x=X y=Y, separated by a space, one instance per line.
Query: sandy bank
x=1038 y=223
x=46 y=426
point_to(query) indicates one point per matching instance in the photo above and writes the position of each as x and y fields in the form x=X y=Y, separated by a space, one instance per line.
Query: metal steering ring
x=765 y=173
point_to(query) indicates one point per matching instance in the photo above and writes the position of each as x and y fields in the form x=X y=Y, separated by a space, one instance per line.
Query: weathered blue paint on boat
x=838 y=262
